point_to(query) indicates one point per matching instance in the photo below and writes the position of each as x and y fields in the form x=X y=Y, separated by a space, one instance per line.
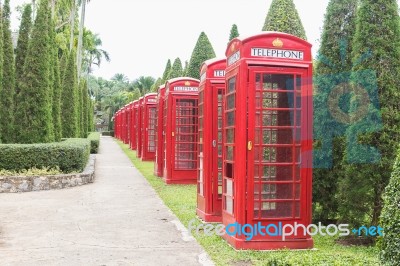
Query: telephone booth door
x=159 y=159
x=267 y=170
x=149 y=127
x=209 y=176
x=125 y=117
x=133 y=141
x=139 y=128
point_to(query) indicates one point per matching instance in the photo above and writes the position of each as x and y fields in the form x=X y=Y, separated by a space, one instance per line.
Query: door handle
x=173 y=134
x=249 y=145
x=214 y=143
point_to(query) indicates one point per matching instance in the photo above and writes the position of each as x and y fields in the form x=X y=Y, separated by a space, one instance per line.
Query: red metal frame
x=159 y=160
x=181 y=131
x=209 y=176
x=125 y=124
x=149 y=127
x=267 y=159
x=133 y=141
x=139 y=128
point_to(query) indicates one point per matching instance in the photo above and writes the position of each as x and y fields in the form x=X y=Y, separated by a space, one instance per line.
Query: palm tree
x=80 y=38
x=120 y=78
x=144 y=84
x=93 y=55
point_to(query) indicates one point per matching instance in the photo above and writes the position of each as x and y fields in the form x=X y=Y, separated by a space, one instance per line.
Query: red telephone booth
x=159 y=160
x=149 y=127
x=116 y=125
x=181 y=130
x=267 y=159
x=125 y=124
x=128 y=123
x=134 y=108
x=209 y=176
x=139 y=118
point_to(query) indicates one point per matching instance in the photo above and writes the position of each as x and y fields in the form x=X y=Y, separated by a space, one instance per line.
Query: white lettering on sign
x=182 y=88
x=234 y=58
x=219 y=73
x=203 y=76
x=151 y=100
x=276 y=53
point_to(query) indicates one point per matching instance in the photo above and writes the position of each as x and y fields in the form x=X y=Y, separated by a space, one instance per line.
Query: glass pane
x=277 y=209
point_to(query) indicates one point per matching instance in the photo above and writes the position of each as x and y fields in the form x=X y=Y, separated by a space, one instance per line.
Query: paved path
x=118 y=220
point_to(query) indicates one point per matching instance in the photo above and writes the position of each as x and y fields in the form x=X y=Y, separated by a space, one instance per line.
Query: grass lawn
x=181 y=199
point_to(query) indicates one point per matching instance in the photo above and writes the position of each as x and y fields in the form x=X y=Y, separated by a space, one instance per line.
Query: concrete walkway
x=118 y=220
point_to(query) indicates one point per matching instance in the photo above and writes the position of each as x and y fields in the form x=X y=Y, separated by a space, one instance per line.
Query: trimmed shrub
x=70 y=155
x=94 y=138
x=108 y=133
x=390 y=243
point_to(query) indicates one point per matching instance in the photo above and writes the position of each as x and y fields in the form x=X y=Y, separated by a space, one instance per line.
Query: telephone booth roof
x=135 y=103
x=150 y=97
x=183 y=85
x=273 y=46
x=213 y=69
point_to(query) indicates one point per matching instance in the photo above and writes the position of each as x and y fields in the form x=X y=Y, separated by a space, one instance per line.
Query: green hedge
x=108 y=133
x=70 y=155
x=94 y=138
x=390 y=219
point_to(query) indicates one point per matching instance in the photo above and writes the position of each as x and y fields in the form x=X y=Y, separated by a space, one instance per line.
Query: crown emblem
x=277 y=43
x=187 y=83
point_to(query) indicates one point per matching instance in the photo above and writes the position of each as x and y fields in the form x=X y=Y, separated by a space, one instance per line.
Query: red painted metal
x=133 y=141
x=159 y=160
x=181 y=131
x=139 y=128
x=209 y=176
x=267 y=159
x=149 y=127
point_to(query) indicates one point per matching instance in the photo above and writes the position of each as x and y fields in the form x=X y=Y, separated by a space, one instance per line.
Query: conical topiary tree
x=34 y=104
x=234 y=32
x=333 y=67
x=283 y=16
x=185 y=69
x=23 y=41
x=376 y=70
x=70 y=100
x=85 y=108
x=202 y=52
x=389 y=244
x=176 y=69
x=8 y=91
x=166 y=71
x=1 y=60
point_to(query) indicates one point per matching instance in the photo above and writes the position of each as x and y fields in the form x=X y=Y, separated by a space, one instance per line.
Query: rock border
x=16 y=184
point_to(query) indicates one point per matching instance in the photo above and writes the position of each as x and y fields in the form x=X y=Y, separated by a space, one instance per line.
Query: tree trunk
x=377 y=205
x=80 y=40
x=71 y=40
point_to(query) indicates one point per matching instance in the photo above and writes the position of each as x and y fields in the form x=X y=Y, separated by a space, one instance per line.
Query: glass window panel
x=230 y=119
x=277 y=209
x=230 y=135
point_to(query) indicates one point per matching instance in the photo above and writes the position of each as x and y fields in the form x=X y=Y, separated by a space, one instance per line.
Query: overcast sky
x=141 y=35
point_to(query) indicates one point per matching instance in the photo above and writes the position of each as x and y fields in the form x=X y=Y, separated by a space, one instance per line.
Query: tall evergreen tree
x=1 y=60
x=166 y=71
x=283 y=16
x=376 y=48
x=332 y=68
x=23 y=41
x=57 y=100
x=234 y=32
x=176 y=69
x=185 y=69
x=34 y=104
x=85 y=108
x=91 y=116
x=202 y=52
x=70 y=100
x=7 y=97
x=80 y=110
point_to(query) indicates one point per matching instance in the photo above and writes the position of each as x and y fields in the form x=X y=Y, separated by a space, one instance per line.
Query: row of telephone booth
x=242 y=133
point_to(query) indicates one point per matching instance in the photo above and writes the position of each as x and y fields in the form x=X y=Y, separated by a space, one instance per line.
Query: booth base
x=208 y=218
x=239 y=244
x=180 y=181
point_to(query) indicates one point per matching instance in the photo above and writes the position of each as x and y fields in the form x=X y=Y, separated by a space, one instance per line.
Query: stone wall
x=13 y=184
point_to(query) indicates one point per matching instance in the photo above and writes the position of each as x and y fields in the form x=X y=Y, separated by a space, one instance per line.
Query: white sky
x=141 y=35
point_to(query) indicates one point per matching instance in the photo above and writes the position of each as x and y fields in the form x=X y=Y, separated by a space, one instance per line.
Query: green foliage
x=380 y=44
x=234 y=32
x=390 y=242
x=202 y=52
x=156 y=84
x=32 y=172
x=1 y=62
x=69 y=155
x=70 y=100
x=85 y=108
x=80 y=110
x=185 y=69
x=166 y=71
x=91 y=116
x=94 y=138
x=282 y=16
x=34 y=103
x=332 y=68
x=57 y=100
x=8 y=88
x=23 y=42
x=176 y=70
x=108 y=133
